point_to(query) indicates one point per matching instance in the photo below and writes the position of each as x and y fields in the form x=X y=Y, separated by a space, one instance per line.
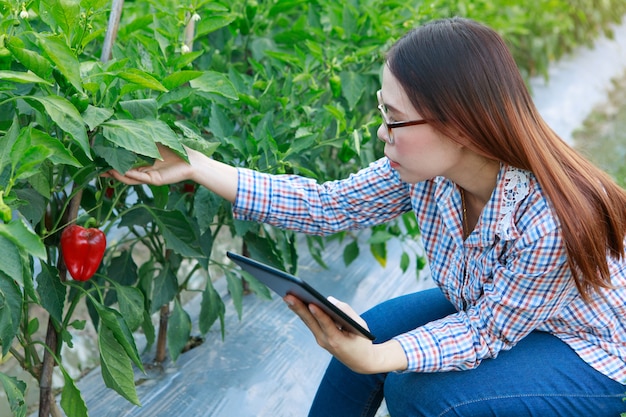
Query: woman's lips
x=393 y=164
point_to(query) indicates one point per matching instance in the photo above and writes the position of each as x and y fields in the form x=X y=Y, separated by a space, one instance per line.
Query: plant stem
x=45 y=382
x=54 y=409
x=161 y=348
x=46 y=398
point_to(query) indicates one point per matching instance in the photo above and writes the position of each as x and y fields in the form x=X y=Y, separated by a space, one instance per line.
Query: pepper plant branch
x=164 y=314
x=31 y=357
x=18 y=356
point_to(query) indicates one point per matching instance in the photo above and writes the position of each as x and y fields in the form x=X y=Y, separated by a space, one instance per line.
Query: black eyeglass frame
x=393 y=125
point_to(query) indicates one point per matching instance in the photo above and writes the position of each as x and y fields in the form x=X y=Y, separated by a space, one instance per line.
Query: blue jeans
x=541 y=376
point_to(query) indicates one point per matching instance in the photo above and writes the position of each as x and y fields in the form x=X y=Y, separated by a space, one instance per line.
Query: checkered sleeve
x=373 y=195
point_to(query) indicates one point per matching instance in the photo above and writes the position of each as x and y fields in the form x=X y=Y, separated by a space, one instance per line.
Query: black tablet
x=283 y=283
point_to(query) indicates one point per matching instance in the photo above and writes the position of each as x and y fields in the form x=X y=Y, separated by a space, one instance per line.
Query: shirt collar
x=498 y=215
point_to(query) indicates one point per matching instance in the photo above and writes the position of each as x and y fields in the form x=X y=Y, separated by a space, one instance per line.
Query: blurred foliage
x=602 y=138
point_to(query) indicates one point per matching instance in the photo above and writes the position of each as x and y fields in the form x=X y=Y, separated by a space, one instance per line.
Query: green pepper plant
x=67 y=116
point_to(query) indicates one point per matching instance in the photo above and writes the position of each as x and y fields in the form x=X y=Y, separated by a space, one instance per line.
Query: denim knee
x=541 y=376
x=431 y=399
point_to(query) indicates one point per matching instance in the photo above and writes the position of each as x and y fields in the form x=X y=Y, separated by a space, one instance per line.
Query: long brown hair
x=460 y=75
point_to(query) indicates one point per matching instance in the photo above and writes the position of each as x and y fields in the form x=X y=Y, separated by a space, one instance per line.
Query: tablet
x=283 y=283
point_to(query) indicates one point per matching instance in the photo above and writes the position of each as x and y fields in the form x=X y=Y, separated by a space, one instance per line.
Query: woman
x=524 y=237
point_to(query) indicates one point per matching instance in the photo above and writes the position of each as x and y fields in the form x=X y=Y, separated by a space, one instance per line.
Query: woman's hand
x=218 y=177
x=169 y=170
x=354 y=351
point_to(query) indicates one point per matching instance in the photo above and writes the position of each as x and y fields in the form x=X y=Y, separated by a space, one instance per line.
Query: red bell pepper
x=82 y=250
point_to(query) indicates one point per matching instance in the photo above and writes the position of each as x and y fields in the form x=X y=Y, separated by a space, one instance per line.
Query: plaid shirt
x=508 y=278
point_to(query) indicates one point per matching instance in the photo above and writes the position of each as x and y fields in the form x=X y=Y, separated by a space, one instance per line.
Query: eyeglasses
x=392 y=125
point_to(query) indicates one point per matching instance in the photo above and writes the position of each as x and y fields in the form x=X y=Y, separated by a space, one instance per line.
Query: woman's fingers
x=325 y=322
x=345 y=307
x=305 y=314
x=171 y=168
x=132 y=177
x=323 y=327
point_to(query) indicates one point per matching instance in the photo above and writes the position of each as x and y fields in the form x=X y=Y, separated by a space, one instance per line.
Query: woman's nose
x=383 y=133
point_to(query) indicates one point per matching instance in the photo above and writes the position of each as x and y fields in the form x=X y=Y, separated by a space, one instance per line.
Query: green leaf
x=405 y=260
x=211 y=308
x=112 y=320
x=71 y=400
x=117 y=370
x=178 y=330
x=379 y=250
x=303 y=141
x=212 y=23
x=11 y=263
x=23 y=237
x=410 y=224
x=120 y=159
x=51 y=291
x=220 y=123
x=350 y=252
x=57 y=14
x=160 y=194
x=8 y=141
x=141 y=109
x=189 y=130
x=256 y=286
x=206 y=206
x=33 y=326
x=164 y=289
x=353 y=86
x=179 y=78
x=123 y=268
x=217 y=83
x=148 y=330
x=264 y=250
x=78 y=324
x=59 y=154
x=201 y=145
x=30 y=59
x=421 y=262
x=20 y=146
x=31 y=161
x=66 y=62
x=131 y=305
x=11 y=299
x=94 y=4
x=65 y=115
x=235 y=288
x=140 y=136
x=282 y=6
x=15 y=390
x=66 y=13
x=177 y=96
x=380 y=236
x=36 y=198
x=181 y=61
x=142 y=79
x=22 y=77
x=179 y=234
x=95 y=116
